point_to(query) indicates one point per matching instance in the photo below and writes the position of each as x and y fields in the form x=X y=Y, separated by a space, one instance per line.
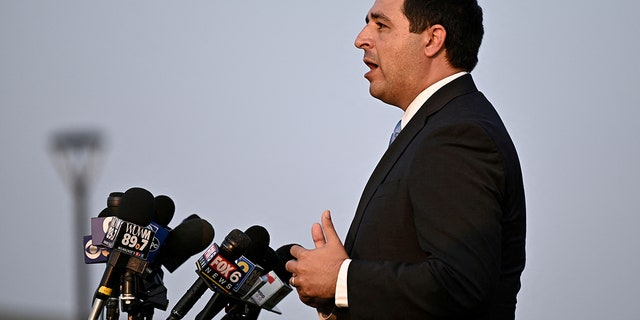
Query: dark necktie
x=396 y=131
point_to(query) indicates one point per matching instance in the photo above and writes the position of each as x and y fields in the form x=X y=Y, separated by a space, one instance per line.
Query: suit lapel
x=437 y=101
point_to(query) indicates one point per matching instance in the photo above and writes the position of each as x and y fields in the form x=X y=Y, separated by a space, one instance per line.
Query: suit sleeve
x=455 y=186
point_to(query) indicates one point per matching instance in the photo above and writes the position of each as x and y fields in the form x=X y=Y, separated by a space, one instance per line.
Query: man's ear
x=435 y=43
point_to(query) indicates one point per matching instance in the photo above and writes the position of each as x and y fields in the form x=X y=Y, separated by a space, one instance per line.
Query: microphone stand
x=130 y=300
x=146 y=293
x=112 y=308
x=217 y=302
x=243 y=311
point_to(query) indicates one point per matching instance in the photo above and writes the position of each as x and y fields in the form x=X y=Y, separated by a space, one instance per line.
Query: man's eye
x=380 y=25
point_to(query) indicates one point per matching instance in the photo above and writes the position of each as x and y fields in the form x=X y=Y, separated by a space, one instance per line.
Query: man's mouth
x=370 y=64
x=372 y=67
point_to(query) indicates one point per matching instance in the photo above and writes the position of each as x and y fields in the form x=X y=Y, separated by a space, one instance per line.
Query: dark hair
x=462 y=19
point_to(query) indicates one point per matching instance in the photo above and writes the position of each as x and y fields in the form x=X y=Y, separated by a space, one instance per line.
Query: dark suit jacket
x=439 y=232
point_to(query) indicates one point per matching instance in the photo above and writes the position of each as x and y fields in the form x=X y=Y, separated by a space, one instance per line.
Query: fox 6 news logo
x=226 y=269
x=223 y=273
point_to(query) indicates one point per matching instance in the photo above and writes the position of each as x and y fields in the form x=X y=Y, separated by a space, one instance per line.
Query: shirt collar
x=423 y=96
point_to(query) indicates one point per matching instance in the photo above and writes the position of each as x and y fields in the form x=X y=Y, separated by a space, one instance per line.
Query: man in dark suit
x=439 y=232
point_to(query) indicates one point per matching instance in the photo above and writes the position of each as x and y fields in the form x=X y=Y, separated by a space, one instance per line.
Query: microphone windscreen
x=191 y=216
x=259 y=236
x=165 y=208
x=269 y=260
x=106 y=212
x=284 y=252
x=259 y=243
x=185 y=240
x=235 y=244
x=137 y=206
x=284 y=255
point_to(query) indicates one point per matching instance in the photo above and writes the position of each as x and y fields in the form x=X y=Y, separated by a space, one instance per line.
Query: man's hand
x=315 y=272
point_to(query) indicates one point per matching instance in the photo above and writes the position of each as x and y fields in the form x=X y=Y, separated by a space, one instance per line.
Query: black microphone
x=113 y=205
x=270 y=293
x=135 y=210
x=233 y=246
x=165 y=209
x=141 y=294
x=284 y=255
x=188 y=238
x=245 y=308
x=259 y=244
x=162 y=215
x=112 y=306
x=276 y=286
x=95 y=251
x=258 y=253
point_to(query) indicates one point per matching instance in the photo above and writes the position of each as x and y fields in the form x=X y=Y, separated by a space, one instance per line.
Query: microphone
x=99 y=227
x=233 y=246
x=113 y=205
x=165 y=208
x=276 y=286
x=284 y=255
x=188 y=238
x=269 y=291
x=129 y=239
x=255 y=253
x=162 y=215
x=259 y=255
x=245 y=308
x=142 y=293
x=95 y=252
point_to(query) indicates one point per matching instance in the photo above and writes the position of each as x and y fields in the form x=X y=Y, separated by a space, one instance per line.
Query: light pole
x=77 y=156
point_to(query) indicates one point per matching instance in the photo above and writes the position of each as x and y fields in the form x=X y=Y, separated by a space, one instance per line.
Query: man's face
x=394 y=55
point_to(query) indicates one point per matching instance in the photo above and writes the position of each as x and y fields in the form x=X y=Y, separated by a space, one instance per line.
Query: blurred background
x=257 y=112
